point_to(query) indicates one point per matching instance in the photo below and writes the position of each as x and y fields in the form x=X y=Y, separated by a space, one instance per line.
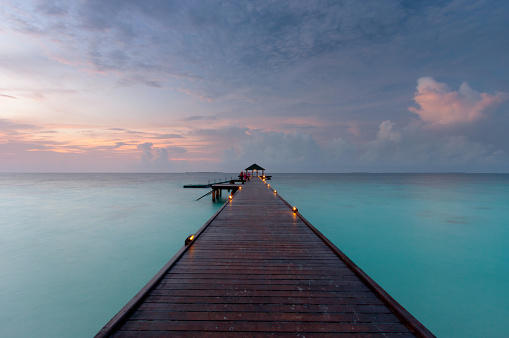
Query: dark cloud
x=10 y=127
x=177 y=150
x=136 y=132
x=222 y=135
x=48 y=132
x=119 y=144
x=8 y=96
x=151 y=135
x=52 y=7
x=199 y=118
x=165 y=136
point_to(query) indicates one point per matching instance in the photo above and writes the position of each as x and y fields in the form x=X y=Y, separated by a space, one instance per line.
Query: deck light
x=268 y=185
x=275 y=191
x=231 y=197
x=295 y=210
x=189 y=239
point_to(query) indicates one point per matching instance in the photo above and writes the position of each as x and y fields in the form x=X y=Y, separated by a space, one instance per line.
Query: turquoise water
x=438 y=243
x=74 y=248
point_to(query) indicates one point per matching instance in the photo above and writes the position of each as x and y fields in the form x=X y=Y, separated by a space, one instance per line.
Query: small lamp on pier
x=275 y=191
x=231 y=197
x=189 y=239
x=295 y=210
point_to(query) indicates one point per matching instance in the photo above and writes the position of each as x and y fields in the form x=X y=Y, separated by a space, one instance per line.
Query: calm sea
x=74 y=248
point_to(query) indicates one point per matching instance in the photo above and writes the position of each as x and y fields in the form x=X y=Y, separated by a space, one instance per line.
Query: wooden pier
x=257 y=268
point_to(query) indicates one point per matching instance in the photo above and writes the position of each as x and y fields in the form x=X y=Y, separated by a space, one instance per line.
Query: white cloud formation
x=438 y=105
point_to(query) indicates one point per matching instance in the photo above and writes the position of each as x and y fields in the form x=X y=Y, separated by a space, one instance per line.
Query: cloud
x=157 y=159
x=284 y=151
x=387 y=133
x=394 y=149
x=165 y=136
x=146 y=152
x=412 y=148
x=119 y=144
x=199 y=117
x=52 y=8
x=215 y=43
x=438 y=105
x=13 y=128
x=148 y=134
x=8 y=96
x=177 y=150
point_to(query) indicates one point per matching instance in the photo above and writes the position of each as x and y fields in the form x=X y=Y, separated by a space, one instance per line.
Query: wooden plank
x=275 y=327
x=264 y=316
x=265 y=287
x=261 y=293
x=265 y=270
x=292 y=282
x=263 y=300
x=251 y=334
x=277 y=308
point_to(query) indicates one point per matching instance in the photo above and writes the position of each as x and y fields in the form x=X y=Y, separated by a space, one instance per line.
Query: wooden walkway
x=256 y=269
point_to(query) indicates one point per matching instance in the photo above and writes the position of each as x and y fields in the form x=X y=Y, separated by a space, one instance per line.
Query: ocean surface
x=75 y=248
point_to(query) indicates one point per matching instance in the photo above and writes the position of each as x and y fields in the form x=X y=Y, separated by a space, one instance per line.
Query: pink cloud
x=438 y=105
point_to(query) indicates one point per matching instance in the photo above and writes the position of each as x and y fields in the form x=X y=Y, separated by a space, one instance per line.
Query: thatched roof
x=254 y=167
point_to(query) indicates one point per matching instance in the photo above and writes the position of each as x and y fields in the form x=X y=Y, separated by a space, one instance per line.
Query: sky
x=295 y=86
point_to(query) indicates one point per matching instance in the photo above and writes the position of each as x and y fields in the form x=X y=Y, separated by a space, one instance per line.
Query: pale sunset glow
x=127 y=86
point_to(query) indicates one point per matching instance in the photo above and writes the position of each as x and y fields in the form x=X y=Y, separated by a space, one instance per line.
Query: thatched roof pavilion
x=255 y=168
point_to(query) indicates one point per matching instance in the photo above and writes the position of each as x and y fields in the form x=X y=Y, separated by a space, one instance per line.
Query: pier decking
x=256 y=268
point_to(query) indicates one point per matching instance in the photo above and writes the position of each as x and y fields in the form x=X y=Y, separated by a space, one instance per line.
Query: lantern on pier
x=189 y=239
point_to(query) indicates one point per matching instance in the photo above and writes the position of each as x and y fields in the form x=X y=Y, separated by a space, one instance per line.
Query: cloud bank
x=438 y=105
x=406 y=149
